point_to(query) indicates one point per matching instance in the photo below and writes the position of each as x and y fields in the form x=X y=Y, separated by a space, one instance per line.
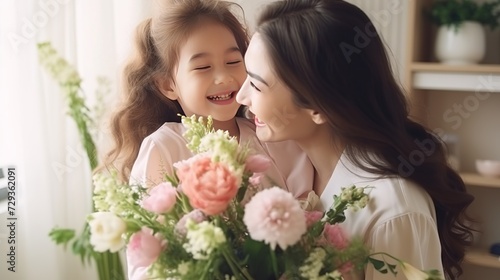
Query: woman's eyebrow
x=257 y=77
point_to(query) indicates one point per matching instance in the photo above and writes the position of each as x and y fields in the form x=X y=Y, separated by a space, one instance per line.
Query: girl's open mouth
x=222 y=99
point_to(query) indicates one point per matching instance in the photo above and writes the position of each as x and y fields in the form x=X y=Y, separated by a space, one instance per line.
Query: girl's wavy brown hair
x=144 y=108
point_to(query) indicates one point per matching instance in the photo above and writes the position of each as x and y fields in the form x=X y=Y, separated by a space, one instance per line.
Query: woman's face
x=276 y=116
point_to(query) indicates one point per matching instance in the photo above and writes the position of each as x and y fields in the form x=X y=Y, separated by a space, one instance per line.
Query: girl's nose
x=223 y=77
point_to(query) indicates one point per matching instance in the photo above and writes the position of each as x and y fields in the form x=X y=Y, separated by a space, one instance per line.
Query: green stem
x=239 y=273
x=109 y=266
x=207 y=268
x=274 y=263
x=386 y=254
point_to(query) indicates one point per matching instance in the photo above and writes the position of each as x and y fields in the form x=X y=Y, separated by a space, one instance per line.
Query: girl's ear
x=166 y=88
x=317 y=117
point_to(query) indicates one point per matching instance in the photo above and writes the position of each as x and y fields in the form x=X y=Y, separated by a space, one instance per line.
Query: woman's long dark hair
x=330 y=55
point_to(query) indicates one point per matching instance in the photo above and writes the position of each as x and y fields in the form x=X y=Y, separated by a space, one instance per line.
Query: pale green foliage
x=108 y=264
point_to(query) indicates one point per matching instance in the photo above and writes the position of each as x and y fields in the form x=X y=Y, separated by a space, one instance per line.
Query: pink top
x=290 y=168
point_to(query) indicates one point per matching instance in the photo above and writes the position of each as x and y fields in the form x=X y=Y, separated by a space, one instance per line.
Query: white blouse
x=399 y=219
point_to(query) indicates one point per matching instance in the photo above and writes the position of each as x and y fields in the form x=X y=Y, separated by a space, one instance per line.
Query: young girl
x=190 y=62
x=351 y=118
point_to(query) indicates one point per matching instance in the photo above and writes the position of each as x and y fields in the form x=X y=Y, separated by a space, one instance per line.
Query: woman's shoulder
x=390 y=196
x=402 y=192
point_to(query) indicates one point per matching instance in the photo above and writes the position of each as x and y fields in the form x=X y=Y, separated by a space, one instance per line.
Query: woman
x=318 y=74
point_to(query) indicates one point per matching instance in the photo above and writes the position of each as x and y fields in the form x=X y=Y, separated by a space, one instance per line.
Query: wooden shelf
x=471 y=78
x=445 y=68
x=481 y=257
x=473 y=179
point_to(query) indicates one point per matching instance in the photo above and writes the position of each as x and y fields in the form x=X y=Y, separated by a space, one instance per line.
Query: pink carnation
x=275 y=217
x=143 y=248
x=161 y=199
x=257 y=163
x=210 y=186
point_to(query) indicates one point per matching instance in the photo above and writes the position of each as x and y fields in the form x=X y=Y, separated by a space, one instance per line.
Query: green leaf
x=241 y=193
x=378 y=265
x=259 y=255
x=454 y=12
x=392 y=268
x=62 y=235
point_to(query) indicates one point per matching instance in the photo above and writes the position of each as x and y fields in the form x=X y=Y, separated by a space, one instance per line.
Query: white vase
x=461 y=46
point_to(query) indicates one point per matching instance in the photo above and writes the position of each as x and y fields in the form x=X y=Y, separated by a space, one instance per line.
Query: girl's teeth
x=221 y=97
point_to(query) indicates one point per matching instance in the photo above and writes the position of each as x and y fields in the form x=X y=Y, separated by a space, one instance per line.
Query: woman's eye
x=253 y=85
x=234 y=62
x=202 y=68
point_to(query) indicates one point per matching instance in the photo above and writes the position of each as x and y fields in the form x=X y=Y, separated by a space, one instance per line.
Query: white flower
x=346 y=195
x=413 y=273
x=223 y=148
x=106 y=231
x=183 y=268
x=203 y=239
x=313 y=264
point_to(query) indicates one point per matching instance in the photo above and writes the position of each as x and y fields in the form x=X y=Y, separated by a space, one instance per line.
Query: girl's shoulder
x=167 y=134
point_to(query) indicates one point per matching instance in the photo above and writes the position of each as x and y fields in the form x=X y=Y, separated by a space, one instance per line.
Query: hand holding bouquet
x=213 y=219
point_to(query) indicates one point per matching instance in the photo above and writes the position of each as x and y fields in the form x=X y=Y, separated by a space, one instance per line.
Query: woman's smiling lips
x=258 y=122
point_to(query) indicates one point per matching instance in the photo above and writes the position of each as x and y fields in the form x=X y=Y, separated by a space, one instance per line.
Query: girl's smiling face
x=209 y=73
x=276 y=116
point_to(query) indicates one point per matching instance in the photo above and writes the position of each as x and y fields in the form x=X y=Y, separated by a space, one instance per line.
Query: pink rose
x=209 y=185
x=312 y=217
x=196 y=216
x=143 y=248
x=161 y=199
x=335 y=236
x=256 y=179
x=257 y=163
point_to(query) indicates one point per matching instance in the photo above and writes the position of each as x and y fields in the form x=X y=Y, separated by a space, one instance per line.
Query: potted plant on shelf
x=461 y=37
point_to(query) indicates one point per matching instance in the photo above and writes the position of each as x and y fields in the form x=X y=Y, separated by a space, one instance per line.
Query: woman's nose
x=243 y=95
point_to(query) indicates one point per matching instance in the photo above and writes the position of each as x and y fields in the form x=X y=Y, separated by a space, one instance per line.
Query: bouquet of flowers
x=212 y=219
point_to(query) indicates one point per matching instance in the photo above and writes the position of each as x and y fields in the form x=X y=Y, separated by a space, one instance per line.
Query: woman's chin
x=265 y=135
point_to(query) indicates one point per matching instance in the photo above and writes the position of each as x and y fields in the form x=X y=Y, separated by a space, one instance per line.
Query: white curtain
x=36 y=135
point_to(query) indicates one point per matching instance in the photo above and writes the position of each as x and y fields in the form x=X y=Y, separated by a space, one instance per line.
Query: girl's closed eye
x=255 y=87
x=202 y=67
x=234 y=62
